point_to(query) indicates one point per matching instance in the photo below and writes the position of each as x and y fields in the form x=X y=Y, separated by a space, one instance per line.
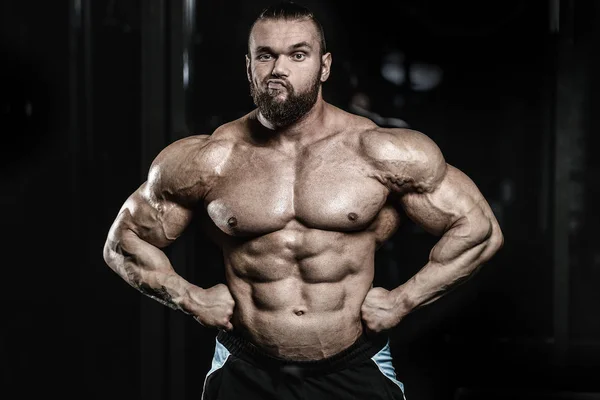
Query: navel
x=352 y=216
x=232 y=222
x=300 y=311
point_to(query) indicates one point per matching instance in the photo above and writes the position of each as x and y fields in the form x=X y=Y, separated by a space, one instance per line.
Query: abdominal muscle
x=300 y=304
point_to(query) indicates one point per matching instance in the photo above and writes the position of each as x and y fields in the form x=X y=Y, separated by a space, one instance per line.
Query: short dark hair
x=290 y=10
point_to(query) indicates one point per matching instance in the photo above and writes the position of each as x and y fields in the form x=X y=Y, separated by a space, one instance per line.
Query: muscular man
x=299 y=195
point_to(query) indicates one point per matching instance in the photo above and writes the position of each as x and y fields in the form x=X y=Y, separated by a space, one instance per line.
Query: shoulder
x=187 y=167
x=198 y=152
x=398 y=143
x=406 y=154
x=203 y=153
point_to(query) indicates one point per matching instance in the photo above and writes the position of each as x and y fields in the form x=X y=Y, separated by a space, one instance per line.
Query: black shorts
x=242 y=371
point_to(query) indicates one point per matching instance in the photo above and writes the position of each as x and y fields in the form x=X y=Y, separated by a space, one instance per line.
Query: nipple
x=232 y=222
x=352 y=216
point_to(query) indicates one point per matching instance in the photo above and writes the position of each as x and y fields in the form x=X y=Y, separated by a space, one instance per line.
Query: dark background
x=92 y=90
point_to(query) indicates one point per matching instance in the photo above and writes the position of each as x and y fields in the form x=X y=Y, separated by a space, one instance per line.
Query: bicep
x=455 y=203
x=161 y=208
x=156 y=220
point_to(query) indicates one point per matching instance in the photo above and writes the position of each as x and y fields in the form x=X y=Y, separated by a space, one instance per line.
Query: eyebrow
x=301 y=44
x=292 y=47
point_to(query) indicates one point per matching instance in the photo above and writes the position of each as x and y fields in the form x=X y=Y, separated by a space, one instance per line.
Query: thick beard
x=285 y=113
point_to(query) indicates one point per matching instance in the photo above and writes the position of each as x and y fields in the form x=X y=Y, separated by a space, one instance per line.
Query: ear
x=248 y=73
x=325 y=66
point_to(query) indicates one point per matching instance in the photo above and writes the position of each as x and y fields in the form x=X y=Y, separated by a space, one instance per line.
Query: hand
x=214 y=307
x=380 y=310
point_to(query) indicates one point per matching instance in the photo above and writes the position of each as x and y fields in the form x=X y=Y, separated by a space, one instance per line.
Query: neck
x=306 y=129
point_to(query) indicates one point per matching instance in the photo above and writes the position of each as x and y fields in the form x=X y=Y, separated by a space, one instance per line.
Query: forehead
x=282 y=33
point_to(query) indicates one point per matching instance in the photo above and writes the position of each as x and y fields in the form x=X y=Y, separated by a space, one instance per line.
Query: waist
x=309 y=335
x=362 y=349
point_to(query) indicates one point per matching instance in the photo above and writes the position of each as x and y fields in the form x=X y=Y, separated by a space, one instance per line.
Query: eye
x=299 y=56
x=264 y=57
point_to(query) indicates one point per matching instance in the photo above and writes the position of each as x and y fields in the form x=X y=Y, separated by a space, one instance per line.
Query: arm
x=470 y=236
x=152 y=218
x=446 y=203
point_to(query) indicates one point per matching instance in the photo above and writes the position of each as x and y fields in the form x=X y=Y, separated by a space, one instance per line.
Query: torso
x=299 y=231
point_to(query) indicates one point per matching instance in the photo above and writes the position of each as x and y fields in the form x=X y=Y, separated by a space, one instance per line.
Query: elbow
x=112 y=250
x=119 y=261
x=490 y=234
x=108 y=253
x=107 y=248
x=495 y=239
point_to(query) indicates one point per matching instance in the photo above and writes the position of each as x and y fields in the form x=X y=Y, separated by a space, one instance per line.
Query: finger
x=228 y=327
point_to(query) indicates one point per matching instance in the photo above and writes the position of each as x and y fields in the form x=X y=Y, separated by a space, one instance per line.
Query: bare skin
x=299 y=212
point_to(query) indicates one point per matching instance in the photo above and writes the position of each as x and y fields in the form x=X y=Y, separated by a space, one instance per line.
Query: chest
x=328 y=187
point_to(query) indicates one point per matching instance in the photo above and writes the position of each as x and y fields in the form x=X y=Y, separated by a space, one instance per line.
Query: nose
x=280 y=67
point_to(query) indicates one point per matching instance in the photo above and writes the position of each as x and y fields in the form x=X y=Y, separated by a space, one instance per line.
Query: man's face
x=285 y=69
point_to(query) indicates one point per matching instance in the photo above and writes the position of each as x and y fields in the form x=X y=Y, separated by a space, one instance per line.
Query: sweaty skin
x=299 y=213
x=299 y=228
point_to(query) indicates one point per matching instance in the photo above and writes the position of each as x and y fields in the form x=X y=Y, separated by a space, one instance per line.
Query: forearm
x=148 y=269
x=452 y=261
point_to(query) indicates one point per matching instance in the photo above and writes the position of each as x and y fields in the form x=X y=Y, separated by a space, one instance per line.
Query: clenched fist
x=380 y=310
x=214 y=307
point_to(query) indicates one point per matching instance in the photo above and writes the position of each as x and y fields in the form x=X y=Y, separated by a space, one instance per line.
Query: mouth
x=276 y=84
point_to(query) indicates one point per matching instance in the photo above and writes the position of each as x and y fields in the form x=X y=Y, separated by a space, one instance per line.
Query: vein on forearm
x=146 y=268
x=453 y=260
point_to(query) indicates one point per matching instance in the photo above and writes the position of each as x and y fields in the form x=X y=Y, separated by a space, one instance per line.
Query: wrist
x=178 y=290
x=402 y=301
x=191 y=301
